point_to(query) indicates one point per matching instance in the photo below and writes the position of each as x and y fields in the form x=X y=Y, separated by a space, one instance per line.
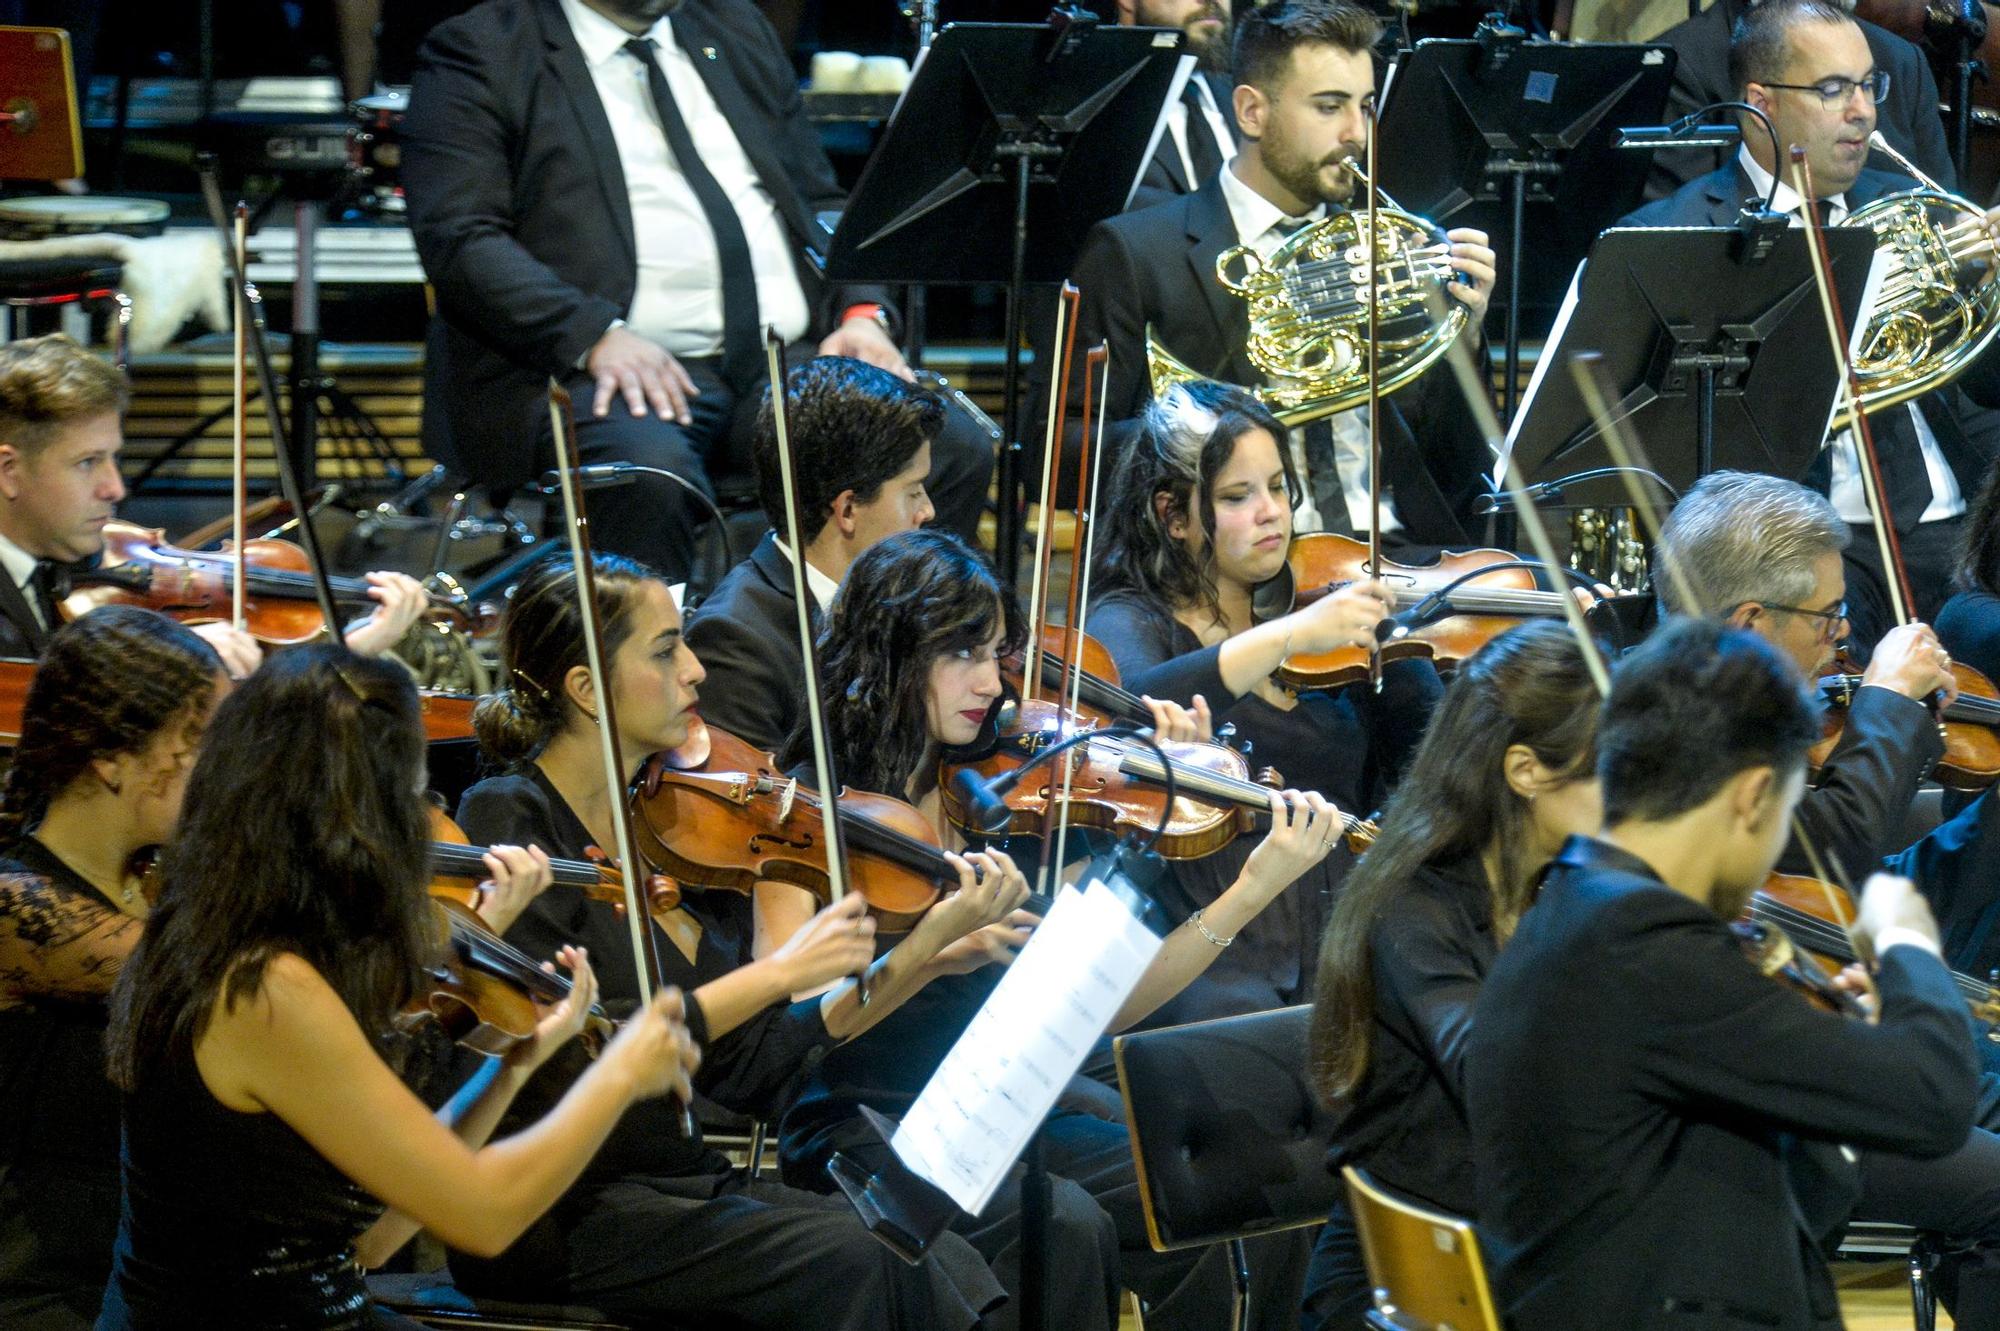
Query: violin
x=1320 y=563
x=1814 y=917
x=458 y=866
x=487 y=994
x=718 y=813
x=1120 y=786
x=280 y=610
x=1970 y=725
x=1099 y=697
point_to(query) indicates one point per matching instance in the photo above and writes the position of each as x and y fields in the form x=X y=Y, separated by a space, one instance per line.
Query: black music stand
x=1473 y=132
x=1714 y=356
x=1012 y=141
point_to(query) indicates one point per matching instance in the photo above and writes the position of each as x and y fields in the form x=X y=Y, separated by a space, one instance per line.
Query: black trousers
x=715 y=1251
x=1930 y=555
x=655 y=521
x=1096 y=1237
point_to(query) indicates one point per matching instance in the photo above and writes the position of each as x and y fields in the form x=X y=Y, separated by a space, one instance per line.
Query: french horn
x=1308 y=308
x=1939 y=303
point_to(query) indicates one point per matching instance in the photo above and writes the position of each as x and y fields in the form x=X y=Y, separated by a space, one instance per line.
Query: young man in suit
x=1807 y=65
x=1201 y=126
x=622 y=194
x=1305 y=75
x=61 y=431
x=861 y=444
x=1635 y=1086
x=1908 y=114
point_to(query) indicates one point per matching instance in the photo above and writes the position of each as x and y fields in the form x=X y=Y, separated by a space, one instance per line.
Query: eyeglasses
x=1830 y=620
x=1834 y=92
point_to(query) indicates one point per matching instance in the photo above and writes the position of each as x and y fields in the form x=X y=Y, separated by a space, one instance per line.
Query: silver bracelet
x=1208 y=933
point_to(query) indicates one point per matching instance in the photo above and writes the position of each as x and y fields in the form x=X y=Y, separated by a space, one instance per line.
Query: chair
x=1226 y=1135
x=1425 y=1265
x=1880 y=1240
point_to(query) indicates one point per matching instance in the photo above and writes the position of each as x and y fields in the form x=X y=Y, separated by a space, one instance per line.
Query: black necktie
x=1203 y=154
x=50 y=585
x=742 y=356
x=1824 y=207
x=1329 y=496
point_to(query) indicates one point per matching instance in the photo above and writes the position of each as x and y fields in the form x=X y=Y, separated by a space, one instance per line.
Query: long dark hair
x=907 y=601
x=541 y=641
x=1187 y=437
x=304 y=832
x=1979 y=563
x=109 y=682
x=1528 y=686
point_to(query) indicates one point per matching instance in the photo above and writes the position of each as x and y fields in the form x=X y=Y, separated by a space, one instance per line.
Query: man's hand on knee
x=642 y=372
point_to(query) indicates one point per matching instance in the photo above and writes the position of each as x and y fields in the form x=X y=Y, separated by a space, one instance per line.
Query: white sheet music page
x=988 y=1097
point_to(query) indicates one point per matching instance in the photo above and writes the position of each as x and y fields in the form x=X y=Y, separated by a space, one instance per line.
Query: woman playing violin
x=111 y=726
x=271 y=1150
x=911 y=671
x=1199 y=521
x=1506 y=773
x=109 y=731
x=662 y=1226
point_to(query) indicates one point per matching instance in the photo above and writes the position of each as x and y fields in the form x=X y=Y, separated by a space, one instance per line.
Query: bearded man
x=1201 y=126
x=1305 y=88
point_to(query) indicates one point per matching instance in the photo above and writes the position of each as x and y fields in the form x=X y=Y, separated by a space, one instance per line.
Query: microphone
x=1423 y=614
x=596 y=476
x=986 y=800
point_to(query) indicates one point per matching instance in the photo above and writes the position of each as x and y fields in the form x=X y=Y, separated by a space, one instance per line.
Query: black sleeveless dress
x=230 y=1219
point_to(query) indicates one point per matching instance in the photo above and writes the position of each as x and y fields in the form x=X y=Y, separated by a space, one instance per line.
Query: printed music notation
x=975 y=1117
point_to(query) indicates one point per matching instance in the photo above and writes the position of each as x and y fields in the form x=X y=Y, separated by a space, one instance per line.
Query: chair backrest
x=1425 y=1265
x=1228 y=1139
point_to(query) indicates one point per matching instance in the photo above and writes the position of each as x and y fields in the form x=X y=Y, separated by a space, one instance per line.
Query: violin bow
x=239 y=396
x=249 y=315
x=1374 y=391
x=638 y=914
x=1067 y=304
x=1096 y=376
x=1628 y=453
x=1475 y=391
x=795 y=525
x=1888 y=544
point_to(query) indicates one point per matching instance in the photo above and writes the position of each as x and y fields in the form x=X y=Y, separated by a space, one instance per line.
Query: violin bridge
x=785 y=799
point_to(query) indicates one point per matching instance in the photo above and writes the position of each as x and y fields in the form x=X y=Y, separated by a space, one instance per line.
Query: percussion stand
x=316 y=396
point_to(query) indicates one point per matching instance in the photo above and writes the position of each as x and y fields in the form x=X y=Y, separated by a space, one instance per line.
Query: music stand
x=1011 y=142
x=1474 y=131
x=1715 y=357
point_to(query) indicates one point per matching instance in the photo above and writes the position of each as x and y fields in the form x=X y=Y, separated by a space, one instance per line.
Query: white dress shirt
x=20 y=566
x=678 y=299
x=1258 y=226
x=823 y=588
x=1844 y=487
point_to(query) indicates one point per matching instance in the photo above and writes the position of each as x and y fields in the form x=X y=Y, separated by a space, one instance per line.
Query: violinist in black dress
x=107 y=735
x=1506 y=773
x=271 y=1152
x=1197 y=526
x=911 y=671
x=661 y=1225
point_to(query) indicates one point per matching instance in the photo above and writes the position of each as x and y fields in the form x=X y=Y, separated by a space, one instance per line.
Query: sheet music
x=993 y=1089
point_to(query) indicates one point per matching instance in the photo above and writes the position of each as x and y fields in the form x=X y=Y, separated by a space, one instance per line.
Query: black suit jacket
x=1166 y=177
x=1632 y=1080
x=746 y=636
x=1957 y=413
x=1908 y=117
x=522 y=219
x=22 y=637
x=1157 y=267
